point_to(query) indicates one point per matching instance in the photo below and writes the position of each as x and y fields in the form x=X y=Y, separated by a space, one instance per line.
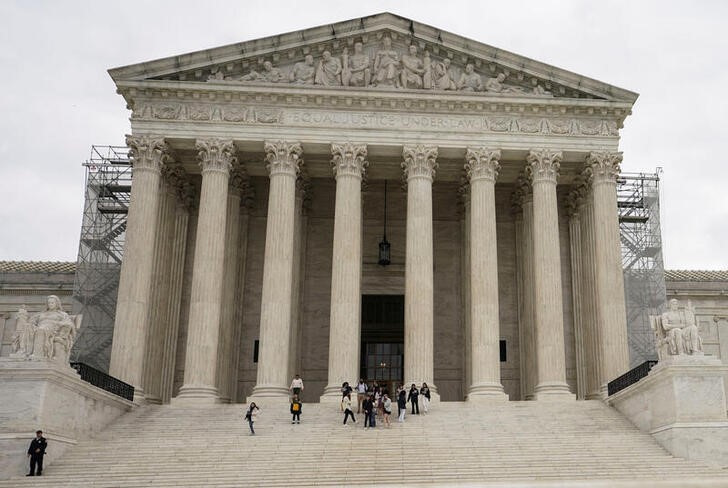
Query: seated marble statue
x=442 y=77
x=46 y=335
x=413 y=69
x=303 y=72
x=386 y=65
x=676 y=331
x=356 y=69
x=470 y=80
x=328 y=72
x=269 y=74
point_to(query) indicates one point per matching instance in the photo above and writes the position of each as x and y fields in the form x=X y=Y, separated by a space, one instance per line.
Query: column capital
x=349 y=159
x=420 y=161
x=239 y=180
x=521 y=193
x=179 y=180
x=482 y=163
x=148 y=152
x=543 y=165
x=577 y=196
x=215 y=154
x=603 y=167
x=283 y=157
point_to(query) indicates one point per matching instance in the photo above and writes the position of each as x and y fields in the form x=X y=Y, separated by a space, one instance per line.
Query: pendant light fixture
x=384 y=244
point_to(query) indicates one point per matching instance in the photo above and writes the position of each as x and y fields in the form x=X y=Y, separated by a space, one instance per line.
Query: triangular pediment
x=379 y=52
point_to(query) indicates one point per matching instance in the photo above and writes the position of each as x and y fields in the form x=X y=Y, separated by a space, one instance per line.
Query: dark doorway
x=382 y=339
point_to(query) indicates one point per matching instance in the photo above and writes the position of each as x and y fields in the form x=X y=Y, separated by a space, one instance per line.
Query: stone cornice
x=349 y=159
x=482 y=163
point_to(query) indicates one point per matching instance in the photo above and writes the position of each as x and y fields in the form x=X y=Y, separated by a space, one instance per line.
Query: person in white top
x=361 y=394
x=297 y=386
x=346 y=407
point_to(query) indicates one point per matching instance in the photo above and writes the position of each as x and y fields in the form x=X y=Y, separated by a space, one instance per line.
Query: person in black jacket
x=425 y=393
x=36 y=451
x=368 y=406
x=296 y=407
x=414 y=393
x=401 y=403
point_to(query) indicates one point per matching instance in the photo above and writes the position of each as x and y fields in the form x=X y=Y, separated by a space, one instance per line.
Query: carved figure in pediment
x=496 y=85
x=413 y=69
x=216 y=76
x=270 y=74
x=356 y=70
x=539 y=90
x=386 y=65
x=470 y=80
x=328 y=72
x=676 y=331
x=303 y=72
x=442 y=77
x=22 y=345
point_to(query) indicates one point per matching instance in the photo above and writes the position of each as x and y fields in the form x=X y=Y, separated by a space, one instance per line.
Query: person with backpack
x=251 y=415
x=296 y=406
x=414 y=393
x=346 y=407
x=369 y=415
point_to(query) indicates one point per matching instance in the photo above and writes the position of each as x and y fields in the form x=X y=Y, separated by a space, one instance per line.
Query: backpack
x=296 y=407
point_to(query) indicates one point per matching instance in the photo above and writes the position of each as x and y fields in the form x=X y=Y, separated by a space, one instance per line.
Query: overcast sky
x=56 y=98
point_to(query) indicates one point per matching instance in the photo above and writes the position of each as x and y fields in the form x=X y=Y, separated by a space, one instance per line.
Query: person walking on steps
x=386 y=409
x=425 y=394
x=401 y=403
x=251 y=416
x=36 y=451
x=297 y=386
x=361 y=394
x=412 y=398
x=369 y=418
x=346 y=407
x=296 y=406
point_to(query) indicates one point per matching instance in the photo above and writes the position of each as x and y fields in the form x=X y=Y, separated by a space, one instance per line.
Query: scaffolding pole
x=100 y=252
x=638 y=202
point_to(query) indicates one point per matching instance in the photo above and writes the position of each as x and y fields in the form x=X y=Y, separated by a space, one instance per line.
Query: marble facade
x=503 y=218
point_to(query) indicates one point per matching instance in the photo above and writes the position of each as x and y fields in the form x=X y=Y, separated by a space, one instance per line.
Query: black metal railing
x=630 y=377
x=104 y=381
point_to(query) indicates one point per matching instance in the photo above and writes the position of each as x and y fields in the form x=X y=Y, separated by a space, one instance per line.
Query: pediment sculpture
x=48 y=335
x=382 y=67
x=676 y=331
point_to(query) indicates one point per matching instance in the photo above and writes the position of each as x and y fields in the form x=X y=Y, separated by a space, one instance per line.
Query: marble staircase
x=543 y=444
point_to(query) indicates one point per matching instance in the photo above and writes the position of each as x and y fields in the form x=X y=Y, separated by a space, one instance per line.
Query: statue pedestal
x=48 y=396
x=682 y=403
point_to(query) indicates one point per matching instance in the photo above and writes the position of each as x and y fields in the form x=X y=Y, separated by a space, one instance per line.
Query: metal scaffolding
x=638 y=201
x=100 y=251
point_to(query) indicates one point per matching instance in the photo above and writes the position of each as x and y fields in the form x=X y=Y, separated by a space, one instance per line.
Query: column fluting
x=544 y=170
x=284 y=159
x=577 y=288
x=216 y=157
x=529 y=311
x=349 y=165
x=611 y=309
x=148 y=155
x=419 y=169
x=482 y=169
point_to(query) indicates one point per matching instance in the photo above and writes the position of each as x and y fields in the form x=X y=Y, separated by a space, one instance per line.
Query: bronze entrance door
x=382 y=340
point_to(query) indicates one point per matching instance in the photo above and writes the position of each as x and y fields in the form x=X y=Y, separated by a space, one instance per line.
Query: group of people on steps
x=371 y=399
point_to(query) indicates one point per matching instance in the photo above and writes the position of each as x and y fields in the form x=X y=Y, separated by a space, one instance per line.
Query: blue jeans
x=370 y=418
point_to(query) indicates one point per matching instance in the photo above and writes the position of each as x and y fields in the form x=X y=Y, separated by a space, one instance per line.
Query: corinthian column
x=611 y=314
x=574 y=206
x=419 y=168
x=216 y=157
x=349 y=163
x=283 y=159
x=148 y=155
x=544 y=170
x=482 y=169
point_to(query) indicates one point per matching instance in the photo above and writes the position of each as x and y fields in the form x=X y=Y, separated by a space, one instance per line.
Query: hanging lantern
x=384 y=251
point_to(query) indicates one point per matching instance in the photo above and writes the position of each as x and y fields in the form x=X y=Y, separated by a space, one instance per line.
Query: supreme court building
x=266 y=175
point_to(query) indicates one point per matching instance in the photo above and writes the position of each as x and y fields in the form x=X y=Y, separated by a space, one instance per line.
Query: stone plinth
x=682 y=403
x=44 y=395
